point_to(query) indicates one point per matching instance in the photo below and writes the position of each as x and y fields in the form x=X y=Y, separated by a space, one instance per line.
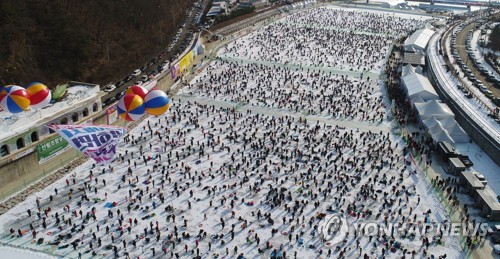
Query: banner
x=198 y=49
x=51 y=148
x=96 y=142
x=111 y=115
x=174 y=70
x=186 y=61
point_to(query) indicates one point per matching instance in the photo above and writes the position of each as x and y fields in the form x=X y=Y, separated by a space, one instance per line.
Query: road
x=484 y=249
x=169 y=55
x=461 y=47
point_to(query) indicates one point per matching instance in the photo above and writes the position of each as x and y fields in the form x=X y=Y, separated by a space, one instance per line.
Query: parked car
x=482 y=87
x=489 y=94
x=495 y=238
x=496 y=249
x=108 y=101
x=490 y=77
x=136 y=72
x=119 y=95
x=144 y=78
x=138 y=83
x=120 y=83
x=474 y=80
x=109 y=88
x=128 y=78
x=484 y=72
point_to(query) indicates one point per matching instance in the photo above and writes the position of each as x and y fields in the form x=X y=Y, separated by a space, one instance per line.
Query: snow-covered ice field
x=248 y=160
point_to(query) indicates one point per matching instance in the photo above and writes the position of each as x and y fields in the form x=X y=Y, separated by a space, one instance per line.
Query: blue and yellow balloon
x=14 y=99
x=156 y=102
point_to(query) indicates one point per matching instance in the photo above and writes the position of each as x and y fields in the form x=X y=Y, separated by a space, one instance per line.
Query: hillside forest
x=95 y=41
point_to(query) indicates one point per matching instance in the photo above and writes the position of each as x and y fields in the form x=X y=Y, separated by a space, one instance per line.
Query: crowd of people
x=325 y=37
x=206 y=181
x=296 y=90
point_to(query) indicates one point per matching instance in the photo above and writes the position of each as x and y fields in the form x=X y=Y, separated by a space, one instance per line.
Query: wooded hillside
x=96 y=41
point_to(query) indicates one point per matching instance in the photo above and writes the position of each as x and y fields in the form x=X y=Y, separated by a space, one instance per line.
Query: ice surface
x=229 y=150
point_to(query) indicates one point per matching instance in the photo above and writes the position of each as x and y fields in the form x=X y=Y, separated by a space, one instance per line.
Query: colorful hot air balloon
x=156 y=102
x=131 y=107
x=139 y=90
x=16 y=100
x=40 y=95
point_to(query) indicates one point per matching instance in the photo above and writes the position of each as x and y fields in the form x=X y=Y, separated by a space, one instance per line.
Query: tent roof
x=407 y=69
x=434 y=108
x=414 y=56
x=436 y=129
x=417 y=99
x=447 y=122
x=449 y=126
x=418 y=84
x=419 y=39
x=455 y=129
x=443 y=136
x=430 y=122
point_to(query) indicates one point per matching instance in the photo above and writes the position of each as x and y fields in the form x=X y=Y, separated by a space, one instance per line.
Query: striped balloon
x=15 y=99
x=40 y=95
x=131 y=107
x=156 y=102
x=139 y=90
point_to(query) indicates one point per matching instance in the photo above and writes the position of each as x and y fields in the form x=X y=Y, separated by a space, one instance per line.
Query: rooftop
x=418 y=40
x=15 y=124
x=472 y=179
x=489 y=197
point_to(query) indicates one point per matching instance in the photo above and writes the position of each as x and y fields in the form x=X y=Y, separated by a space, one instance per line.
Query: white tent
x=430 y=122
x=436 y=129
x=443 y=136
x=390 y=3
x=448 y=125
x=418 y=69
x=447 y=122
x=407 y=69
x=417 y=42
x=417 y=99
x=457 y=133
x=419 y=85
x=433 y=109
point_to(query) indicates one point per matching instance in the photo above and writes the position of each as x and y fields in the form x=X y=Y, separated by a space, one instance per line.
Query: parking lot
x=479 y=75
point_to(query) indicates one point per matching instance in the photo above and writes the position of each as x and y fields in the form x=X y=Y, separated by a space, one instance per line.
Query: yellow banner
x=186 y=61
